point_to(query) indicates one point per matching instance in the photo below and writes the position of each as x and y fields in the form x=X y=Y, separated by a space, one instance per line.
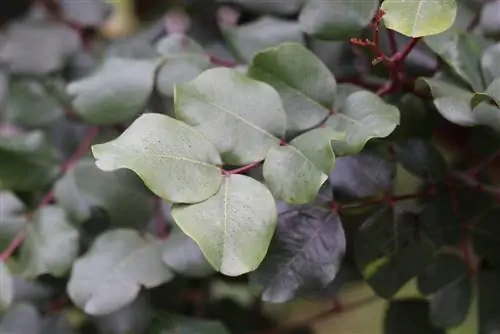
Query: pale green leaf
x=296 y=172
x=110 y=275
x=120 y=193
x=234 y=227
x=248 y=39
x=490 y=62
x=417 y=18
x=6 y=287
x=243 y=117
x=12 y=218
x=51 y=244
x=304 y=83
x=115 y=93
x=363 y=116
x=174 y=160
x=182 y=60
x=336 y=19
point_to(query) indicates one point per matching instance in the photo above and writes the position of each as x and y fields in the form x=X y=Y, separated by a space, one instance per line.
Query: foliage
x=288 y=147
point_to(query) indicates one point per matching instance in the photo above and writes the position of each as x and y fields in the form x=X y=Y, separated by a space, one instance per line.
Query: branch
x=48 y=197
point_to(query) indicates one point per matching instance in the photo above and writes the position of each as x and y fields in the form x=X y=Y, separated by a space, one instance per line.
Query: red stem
x=242 y=169
x=49 y=196
x=222 y=62
x=401 y=55
x=161 y=224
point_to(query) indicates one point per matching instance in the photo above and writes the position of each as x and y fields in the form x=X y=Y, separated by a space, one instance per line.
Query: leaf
x=243 y=117
x=24 y=39
x=110 y=275
x=490 y=62
x=120 y=193
x=56 y=324
x=485 y=231
x=12 y=218
x=88 y=13
x=351 y=180
x=421 y=159
x=50 y=245
x=115 y=93
x=6 y=287
x=305 y=254
x=296 y=172
x=234 y=227
x=182 y=60
x=447 y=279
x=489 y=302
x=21 y=319
x=28 y=162
x=336 y=20
x=417 y=18
x=488 y=19
x=409 y=316
x=176 y=324
x=184 y=256
x=391 y=251
x=363 y=116
x=29 y=104
x=275 y=7
x=462 y=52
x=248 y=39
x=304 y=83
x=174 y=160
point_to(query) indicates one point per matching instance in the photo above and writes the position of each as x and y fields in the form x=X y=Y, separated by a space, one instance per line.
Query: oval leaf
x=243 y=117
x=115 y=93
x=234 y=227
x=110 y=275
x=6 y=287
x=296 y=172
x=174 y=160
x=305 y=84
x=417 y=18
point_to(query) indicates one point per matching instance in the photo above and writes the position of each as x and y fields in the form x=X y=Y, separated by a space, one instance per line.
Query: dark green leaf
x=421 y=158
x=295 y=172
x=182 y=60
x=485 y=232
x=249 y=113
x=234 y=227
x=116 y=92
x=305 y=84
x=336 y=20
x=51 y=244
x=391 y=251
x=409 y=316
x=110 y=275
x=120 y=193
x=305 y=254
x=363 y=116
x=184 y=256
x=489 y=302
x=175 y=324
x=417 y=18
x=28 y=162
x=445 y=269
x=248 y=39
x=175 y=161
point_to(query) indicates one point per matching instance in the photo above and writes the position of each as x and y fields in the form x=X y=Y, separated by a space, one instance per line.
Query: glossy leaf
x=410 y=316
x=175 y=161
x=234 y=227
x=6 y=287
x=182 y=60
x=305 y=254
x=249 y=114
x=296 y=172
x=248 y=39
x=115 y=93
x=51 y=244
x=304 y=83
x=176 y=324
x=120 y=193
x=184 y=256
x=390 y=251
x=417 y=18
x=362 y=117
x=110 y=275
x=28 y=162
x=336 y=20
